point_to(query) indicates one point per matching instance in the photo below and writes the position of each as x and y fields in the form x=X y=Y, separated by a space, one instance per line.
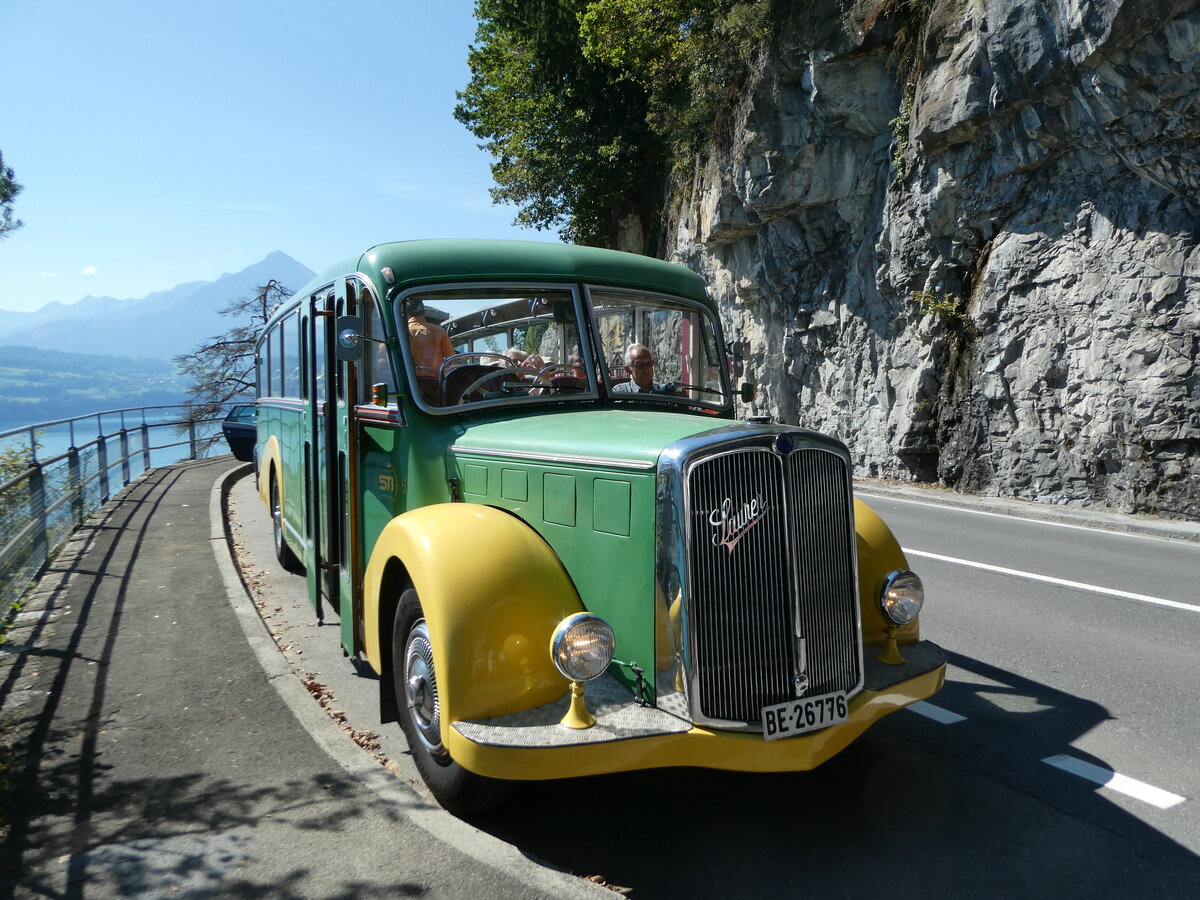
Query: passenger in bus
x=429 y=342
x=575 y=358
x=522 y=360
x=639 y=362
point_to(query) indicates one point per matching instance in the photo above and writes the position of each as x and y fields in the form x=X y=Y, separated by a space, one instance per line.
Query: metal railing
x=49 y=491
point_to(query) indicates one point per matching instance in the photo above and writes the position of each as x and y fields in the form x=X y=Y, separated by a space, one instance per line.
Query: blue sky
x=166 y=142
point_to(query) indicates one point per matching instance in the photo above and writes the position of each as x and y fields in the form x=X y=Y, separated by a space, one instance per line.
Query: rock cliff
x=990 y=279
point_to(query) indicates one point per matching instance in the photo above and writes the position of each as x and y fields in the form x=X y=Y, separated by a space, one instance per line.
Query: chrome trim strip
x=639 y=465
x=377 y=415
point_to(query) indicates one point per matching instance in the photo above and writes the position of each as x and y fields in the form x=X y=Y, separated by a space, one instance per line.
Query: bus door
x=377 y=447
x=345 y=572
x=324 y=490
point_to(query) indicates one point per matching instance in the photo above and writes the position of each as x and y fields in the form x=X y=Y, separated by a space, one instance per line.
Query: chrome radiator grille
x=771 y=598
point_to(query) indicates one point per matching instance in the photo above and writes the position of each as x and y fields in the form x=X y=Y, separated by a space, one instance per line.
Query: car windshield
x=503 y=345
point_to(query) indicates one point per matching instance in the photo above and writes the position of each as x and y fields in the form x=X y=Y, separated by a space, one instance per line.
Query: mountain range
x=161 y=325
x=103 y=353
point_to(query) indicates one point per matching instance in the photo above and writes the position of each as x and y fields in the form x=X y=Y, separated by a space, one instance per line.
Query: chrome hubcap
x=420 y=687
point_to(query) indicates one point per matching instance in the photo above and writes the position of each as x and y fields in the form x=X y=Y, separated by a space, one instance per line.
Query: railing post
x=124 y=455
x=75 y=484
x=145 y=447
x=192 y=437
x=102 y=457
x=37 y=514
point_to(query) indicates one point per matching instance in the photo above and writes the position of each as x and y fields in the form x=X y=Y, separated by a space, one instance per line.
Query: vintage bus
x=514 y=472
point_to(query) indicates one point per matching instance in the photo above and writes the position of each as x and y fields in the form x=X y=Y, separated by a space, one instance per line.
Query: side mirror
x=736 y=355
x=348 y=344
x=748 y=392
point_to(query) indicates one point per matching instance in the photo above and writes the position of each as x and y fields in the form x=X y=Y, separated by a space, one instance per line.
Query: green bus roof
x=446 y=261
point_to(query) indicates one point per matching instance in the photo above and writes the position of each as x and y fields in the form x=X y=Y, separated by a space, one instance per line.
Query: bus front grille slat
x=772 y=592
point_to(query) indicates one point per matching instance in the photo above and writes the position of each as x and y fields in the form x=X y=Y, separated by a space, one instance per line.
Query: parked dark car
x=241 y=428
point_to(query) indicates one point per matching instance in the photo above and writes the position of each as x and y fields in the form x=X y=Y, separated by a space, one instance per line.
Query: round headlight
x=902 y=596
x=582 y=646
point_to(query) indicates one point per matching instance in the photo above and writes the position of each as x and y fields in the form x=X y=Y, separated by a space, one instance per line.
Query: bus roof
x=445 y=261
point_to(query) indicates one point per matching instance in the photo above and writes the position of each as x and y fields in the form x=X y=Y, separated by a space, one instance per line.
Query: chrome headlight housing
x=582 y=646
x=902 y=596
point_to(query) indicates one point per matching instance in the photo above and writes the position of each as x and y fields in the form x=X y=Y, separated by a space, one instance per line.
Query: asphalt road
x=1101 y=625
x=1059 y=759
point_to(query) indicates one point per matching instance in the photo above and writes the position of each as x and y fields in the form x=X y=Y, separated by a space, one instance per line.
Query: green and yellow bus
x=514 y=472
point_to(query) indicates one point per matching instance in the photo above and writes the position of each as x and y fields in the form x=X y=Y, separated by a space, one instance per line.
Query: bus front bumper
x=533 y=745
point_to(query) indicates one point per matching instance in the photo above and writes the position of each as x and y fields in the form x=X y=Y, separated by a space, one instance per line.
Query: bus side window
x=264 y=368
x=291 y=356
x=377 y=367
x=277 y=362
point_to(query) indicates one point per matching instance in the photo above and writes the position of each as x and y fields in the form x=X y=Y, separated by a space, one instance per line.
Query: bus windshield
x=502 y=345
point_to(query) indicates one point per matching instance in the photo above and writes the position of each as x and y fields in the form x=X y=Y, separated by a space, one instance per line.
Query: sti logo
x=731 y=524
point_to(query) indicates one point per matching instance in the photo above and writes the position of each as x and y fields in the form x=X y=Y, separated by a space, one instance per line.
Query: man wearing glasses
x=640 y=364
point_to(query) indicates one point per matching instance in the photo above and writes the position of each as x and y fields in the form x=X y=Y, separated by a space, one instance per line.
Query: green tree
x=687 y=55
x=8 y=192
x=569 y=135
x=222 y=369
x=15 y=460
x=586 y=104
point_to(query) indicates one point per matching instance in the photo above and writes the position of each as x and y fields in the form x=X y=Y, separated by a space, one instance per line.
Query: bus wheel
x=283 y=552
x=458 y=790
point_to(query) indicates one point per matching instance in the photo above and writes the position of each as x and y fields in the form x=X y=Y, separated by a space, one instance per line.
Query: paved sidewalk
x=160 y=760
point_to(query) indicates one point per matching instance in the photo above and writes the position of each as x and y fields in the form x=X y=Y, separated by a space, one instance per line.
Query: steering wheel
x=483 y=357
x=464 y=397
x=561 y=369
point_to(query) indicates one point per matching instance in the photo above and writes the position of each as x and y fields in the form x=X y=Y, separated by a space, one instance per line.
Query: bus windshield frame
x=528 y=344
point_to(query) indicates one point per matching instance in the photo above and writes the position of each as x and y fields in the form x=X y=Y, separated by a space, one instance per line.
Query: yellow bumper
x=692 y=746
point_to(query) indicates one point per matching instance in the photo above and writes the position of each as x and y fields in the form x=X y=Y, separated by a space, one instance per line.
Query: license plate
x=783 y=720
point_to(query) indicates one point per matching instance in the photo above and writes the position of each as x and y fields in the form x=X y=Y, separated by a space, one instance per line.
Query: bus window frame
x=396 y=300
x=378 y=348
x=639 y=328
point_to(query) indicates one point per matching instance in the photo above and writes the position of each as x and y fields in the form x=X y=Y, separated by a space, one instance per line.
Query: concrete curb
x=1150 y=526
x=430 y=818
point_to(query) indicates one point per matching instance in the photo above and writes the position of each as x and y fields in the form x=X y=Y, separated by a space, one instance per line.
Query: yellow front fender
x=492 y=592
x=879 y=554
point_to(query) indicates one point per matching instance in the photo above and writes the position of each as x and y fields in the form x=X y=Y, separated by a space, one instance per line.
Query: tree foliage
x=222 y=369
x=8 y=192
x=15 y=459
x=586 y=103
x=685 y=54
x=568 y=134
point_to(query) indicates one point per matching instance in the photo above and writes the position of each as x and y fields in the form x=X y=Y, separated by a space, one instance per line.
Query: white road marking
x=1079 y=585
x=1028 y=520
x=929 y=711
x=1130 y=787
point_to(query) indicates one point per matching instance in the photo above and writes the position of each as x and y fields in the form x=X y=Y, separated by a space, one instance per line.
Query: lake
x=54 y=440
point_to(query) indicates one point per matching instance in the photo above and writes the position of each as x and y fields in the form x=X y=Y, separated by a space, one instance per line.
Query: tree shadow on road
x=913 y=809
x=181 y=814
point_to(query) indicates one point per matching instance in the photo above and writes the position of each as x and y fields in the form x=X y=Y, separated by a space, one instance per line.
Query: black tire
x=419 y=706
x=283 y=552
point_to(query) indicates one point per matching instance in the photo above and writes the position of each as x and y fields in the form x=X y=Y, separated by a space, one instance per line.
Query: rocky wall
x=994 y=285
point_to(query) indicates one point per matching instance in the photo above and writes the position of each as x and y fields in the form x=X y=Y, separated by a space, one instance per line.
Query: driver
x=639 y=362
x=428 y=341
